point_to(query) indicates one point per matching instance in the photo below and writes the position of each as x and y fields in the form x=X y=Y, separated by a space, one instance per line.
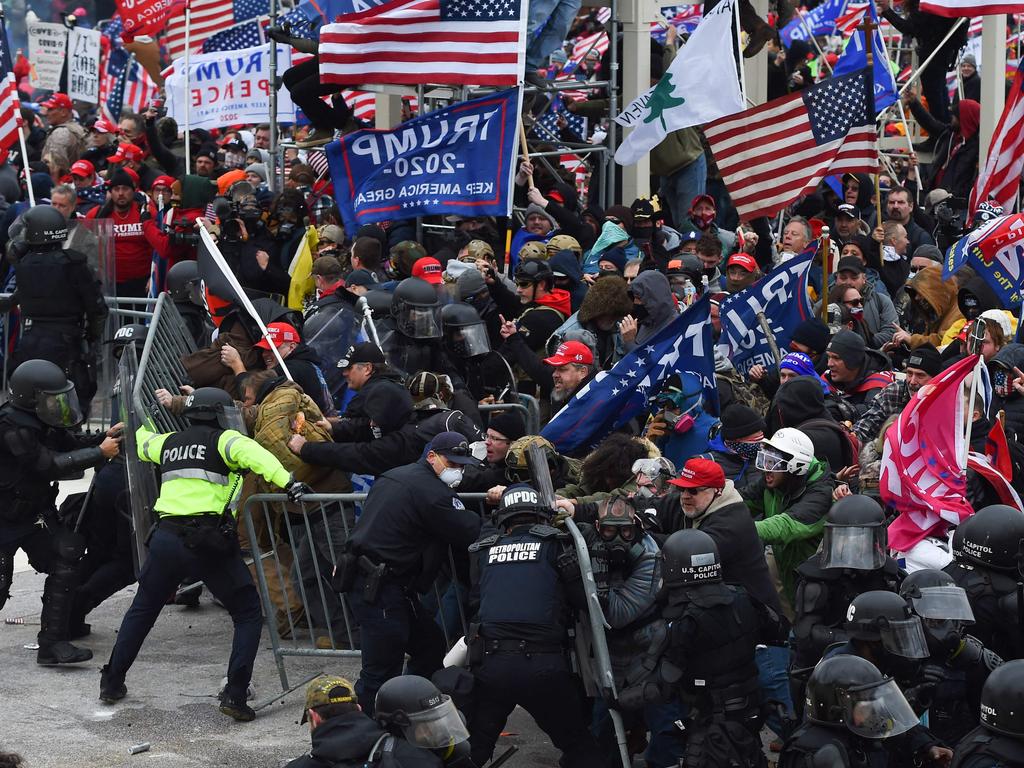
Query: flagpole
x=739 y=49
x=272 y=163
x=826 y=251
x=928 y=61
x=813 y=39
x=188 y=89
x=25 y=168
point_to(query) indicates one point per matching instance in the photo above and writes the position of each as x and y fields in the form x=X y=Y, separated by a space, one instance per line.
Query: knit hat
x=470 y=283
x=121 y=178
x=811 y=333
x=534 y=209
x=616 y=256
x=968 y=58
x=361 y=277
x=850 y=348
x=509 y=424
x=999 y=316
x=739 y=421
x=259 y=169
x=798 y=363
x=926 y=358
x=928 y=251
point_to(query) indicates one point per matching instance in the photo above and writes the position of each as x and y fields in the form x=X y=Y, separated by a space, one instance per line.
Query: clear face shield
x=770 y=460
x=436 y=728
x=230 y=417
x=861 y=548
x=421 y=322
x=878 y=711
x=469 y=340
x=947 y=603
x=905 y=638
x=59 y=409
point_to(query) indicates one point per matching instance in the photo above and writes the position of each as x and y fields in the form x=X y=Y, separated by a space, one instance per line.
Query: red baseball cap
x=102 y=125
x=83 y=168
x=571 y=352
x=163 y=181
x=126 y=152
x=279 y=333
x=700 y=473
x=58 y=101
x=428 y=268
x=744 y=260
x=703 y=199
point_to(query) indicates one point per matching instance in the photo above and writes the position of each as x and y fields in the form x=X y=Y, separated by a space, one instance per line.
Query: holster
x=345 y=571
x=475 y=646
x=373 y=578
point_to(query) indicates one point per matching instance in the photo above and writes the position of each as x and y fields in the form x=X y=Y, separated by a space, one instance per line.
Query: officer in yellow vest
x=200 y=473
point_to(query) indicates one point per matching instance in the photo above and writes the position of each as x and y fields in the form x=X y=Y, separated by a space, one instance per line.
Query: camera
x=950 y=218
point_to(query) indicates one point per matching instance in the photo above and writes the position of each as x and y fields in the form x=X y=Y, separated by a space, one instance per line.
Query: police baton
x=503 y=758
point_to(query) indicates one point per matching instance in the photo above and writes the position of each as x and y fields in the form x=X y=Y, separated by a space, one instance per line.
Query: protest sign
x=228 y=88
x=47 y=47
x=453 y=161
x=84 y=65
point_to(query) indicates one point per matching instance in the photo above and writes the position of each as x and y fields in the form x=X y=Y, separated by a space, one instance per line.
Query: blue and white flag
x=782 y=296
x=817 y=21
x=629 y=389
x=855 y=58
x=457 y=160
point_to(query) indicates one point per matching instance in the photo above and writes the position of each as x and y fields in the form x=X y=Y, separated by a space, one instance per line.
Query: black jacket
x=1009 y=357
x=799 y=401
x=346 y=741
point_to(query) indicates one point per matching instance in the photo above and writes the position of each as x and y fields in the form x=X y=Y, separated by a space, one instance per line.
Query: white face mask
x=451 y=476
x=376 y=431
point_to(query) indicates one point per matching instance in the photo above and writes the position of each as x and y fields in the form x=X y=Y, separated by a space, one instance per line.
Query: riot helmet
x=126 y=335
x=854 y=535
x=942 y=606
x=690 y=558
x=619 y=532
x=414 y=308
x=465 y=334
x=992 y=537
x=184 y=283
x=885 y=617
x=1002 y=700
x=45 y=225
x=40 y=387
x=849 y=691
x=413 y=707
x=518 y=501
x=652 y=475
x=533 y=271
x=210 y=404
x=788 y=450
x=517 y=469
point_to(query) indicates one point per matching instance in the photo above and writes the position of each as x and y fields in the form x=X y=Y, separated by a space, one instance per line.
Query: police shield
x=331 y=332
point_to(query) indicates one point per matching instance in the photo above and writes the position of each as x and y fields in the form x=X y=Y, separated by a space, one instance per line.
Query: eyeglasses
x=692 y=491
x=495 y=439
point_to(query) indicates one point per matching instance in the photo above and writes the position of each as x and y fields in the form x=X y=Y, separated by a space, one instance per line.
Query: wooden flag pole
x=826 y=252
x=524 y=149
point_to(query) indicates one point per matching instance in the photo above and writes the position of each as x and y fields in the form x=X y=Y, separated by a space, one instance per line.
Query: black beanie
x=739 y=421
x=812 y=333
x=850 y=348
x=926 y=358
x=121 y=178
x=508 y=424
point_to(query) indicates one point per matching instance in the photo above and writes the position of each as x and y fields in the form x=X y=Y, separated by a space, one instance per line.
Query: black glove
x=296 y=489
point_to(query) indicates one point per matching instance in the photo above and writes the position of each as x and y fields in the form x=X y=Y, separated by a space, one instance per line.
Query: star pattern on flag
x=247 y=35
x=836 y=106
x=479 y=10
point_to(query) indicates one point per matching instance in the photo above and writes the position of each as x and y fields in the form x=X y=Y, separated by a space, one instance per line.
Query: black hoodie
x=1006 y=359
x=799 y=401
x=346 y=741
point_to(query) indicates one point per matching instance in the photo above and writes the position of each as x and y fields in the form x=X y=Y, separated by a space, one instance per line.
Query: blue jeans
x=773 y=674
x=225 y=576
x=679 y=189
x=555 y=16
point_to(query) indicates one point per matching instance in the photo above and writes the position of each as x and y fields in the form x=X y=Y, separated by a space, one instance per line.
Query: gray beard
x=559 y=397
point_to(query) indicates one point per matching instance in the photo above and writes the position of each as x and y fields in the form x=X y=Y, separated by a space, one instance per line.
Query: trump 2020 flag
x=456 y=160
x=820 y=20
x=782 y=296
x=614 y=397
x=699 y=86
x=995 y=252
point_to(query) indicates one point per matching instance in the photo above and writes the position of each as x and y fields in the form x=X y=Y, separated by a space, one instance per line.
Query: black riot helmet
x=520 y=500
x=1002 y=699
x=210 y=404
x=534 y=271
x=880 y=616
x=849 y=691
x=854 y=535
x=992 y=537
x=465 y=334
x=690 y=558
x=125 y=335
x=942 y=606
x=40 y=387
x=184 y=283
x=413 y=707
x=45 y=225
x=414 y=307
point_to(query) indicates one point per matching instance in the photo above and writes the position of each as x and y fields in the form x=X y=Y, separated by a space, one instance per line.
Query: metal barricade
x=527 y=405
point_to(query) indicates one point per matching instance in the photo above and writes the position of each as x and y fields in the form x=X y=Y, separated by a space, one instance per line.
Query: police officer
x=36 y=450
x=985 y=564
x=409 y=518
x=414 y=345
x=62 y=306
x=851 y=708
x=185 y=287
x=525 y=582
x=200 y=474
x=423 y=726
x=852 y=560
x=958 y=665
x=468 y=347
x=999 y=741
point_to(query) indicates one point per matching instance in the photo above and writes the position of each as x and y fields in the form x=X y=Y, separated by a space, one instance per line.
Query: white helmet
x=788 y=450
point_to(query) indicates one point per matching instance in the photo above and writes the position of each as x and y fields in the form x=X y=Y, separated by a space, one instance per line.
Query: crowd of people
x=738 y=547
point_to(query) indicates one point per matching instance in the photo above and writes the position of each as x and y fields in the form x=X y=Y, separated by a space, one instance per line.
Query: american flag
x=849 y=21
x=955 y=8
x=208 y=18
x=248 y=34
x=1001 y=175
x=684 y=18
x=362 y=103
x=133 y=90
x=10 y=106
x=426 y=41
x=584 y=45
x=773 y=153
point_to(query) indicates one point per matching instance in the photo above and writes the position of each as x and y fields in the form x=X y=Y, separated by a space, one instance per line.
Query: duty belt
x=72 y=322
x=521 y=646
x=189 y=522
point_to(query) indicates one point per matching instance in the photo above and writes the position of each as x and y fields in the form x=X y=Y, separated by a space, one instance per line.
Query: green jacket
x=793 y=519
x=184 y=496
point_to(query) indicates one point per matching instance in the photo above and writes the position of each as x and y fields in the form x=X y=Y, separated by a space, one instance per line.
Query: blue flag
x=782 y=296
x=819 y=21
x=996 y=254
x=629 y=389
x=457 y=160
x=855 y=58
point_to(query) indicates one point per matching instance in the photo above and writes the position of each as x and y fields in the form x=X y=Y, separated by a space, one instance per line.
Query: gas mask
x=683 y=422
x=619 y=533
x=943 y=637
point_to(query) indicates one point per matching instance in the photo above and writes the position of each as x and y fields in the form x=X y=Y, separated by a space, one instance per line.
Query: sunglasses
x=854 y=303
x=692 y=491
x=523 y=284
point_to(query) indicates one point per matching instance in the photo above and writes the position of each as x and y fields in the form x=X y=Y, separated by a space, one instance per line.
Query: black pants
x=543 y=685
x=62 y=345
x=226 y=577
x=35 y=542
x=307 y=90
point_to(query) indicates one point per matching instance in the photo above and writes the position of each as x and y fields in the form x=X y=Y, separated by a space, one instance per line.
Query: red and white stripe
x=1001 y=176
x=597 y=41
x=408 y=43
x=10 y=112
x=208 y=18
x=956 y=8
x=852 y=19
x=139 y=92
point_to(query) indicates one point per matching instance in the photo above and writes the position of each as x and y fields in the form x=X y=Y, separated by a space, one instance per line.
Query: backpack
x=743 y=392
x=849 y=441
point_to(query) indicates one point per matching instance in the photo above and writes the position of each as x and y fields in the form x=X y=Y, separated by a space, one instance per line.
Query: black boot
x=61 y=652
x=58 y=604
x=239 y=710
x=283 y=35
x=112 y=687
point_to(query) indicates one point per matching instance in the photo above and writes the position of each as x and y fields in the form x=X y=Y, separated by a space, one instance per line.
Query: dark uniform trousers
x=391 y=626
x=228 y=580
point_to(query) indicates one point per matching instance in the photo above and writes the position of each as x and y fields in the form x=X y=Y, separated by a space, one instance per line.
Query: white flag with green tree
x=699 y=86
